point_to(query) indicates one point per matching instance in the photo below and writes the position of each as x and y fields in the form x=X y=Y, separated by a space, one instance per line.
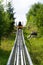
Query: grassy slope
x=5 y=48
x=35 y=47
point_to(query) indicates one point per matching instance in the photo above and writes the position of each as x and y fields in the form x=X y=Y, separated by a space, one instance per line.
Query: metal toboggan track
x=19 y=54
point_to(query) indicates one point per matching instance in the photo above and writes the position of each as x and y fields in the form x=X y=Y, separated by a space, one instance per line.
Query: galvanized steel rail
x=19 y=54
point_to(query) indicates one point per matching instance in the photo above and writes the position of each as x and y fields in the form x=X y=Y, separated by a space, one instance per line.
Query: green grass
x=5 y=48
x=35 y=48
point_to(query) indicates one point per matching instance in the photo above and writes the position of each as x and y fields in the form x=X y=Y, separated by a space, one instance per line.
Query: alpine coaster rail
x=19 y=54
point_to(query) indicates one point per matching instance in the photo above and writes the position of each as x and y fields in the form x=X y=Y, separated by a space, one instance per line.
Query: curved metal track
x=19 y=54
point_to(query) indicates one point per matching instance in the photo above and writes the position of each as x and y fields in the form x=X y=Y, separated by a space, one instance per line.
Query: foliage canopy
x=35 y=16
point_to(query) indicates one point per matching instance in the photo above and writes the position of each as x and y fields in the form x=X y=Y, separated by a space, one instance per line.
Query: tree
x=35 y=16
x=39 y=19
x=11 y=14
x=4 y=22
x=1 y=20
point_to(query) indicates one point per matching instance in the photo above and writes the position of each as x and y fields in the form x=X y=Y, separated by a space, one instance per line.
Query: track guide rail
x=19 y=54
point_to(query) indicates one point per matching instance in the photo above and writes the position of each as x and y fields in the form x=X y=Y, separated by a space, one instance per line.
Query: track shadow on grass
x=4 y=56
